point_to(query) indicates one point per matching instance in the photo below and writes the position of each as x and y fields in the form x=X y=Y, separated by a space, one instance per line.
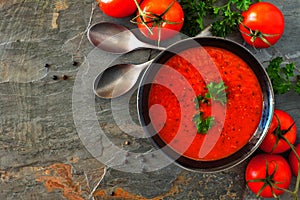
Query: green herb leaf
x=225 y=18
x=203 y=124
x=216 y=92
x=242 y=5
x=281 y=76
x=200 y=99
x=296 y=87
x=227 y=25
x=194 y=12
x=288 y=70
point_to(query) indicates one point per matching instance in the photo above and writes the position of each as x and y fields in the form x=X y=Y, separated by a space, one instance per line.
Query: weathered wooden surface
x=41 y=153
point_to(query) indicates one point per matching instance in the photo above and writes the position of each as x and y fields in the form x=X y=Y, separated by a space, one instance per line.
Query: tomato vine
x=159 y=19
x=269 y=179
x=294 y=193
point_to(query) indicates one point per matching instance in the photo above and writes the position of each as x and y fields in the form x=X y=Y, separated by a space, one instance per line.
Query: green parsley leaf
x=225 y=18
x=242 y=5
x=203 y=124
x=281 y=76
x=297 y=86
x=216 y=92
x=288 y=70
x=200 y=99
x=194 y=12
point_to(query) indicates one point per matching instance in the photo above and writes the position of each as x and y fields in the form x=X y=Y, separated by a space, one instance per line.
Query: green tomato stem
x=138 y=6
x=295 y=192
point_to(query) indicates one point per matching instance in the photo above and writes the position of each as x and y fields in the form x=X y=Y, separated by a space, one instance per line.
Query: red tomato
x=117 y=8
x=282 y=125
x=170 y=20
x=266 y=21
x=294 y=163
x=279 y=174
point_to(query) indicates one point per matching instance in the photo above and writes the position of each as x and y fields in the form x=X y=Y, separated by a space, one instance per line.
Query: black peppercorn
x=47 y=65
x=75 y=63
x=54 y=77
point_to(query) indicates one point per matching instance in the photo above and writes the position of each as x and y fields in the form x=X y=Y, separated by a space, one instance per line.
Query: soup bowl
x=206 y=103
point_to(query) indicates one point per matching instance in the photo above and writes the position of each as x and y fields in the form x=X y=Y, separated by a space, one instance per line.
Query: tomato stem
x=268 y=181
x=292 y=147
x=142 y=14
x=279 y=134
x=138 y=6
x=297 y=183
x=254 y=34
x=155 y=19
x=295 y=192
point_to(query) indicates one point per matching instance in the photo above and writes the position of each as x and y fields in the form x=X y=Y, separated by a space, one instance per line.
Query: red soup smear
x=172 y=103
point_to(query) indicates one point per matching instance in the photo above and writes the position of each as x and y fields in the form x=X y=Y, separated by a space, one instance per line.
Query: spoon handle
x=205 y=32
x=144 y=65
x=150 y=46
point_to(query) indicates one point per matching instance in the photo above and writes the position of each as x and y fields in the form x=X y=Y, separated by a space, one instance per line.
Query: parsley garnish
x=281 y=76
x=216 y=92
x=226 y=17
x=203 y=124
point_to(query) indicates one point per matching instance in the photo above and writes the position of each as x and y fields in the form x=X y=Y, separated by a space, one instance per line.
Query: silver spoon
x=119 y=79
x=115 y=38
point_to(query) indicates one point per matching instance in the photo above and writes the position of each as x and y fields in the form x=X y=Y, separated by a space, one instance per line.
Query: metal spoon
x=115 y=38
x=119 y=79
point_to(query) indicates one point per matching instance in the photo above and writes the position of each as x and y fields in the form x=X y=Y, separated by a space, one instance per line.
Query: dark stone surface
x=41 y=153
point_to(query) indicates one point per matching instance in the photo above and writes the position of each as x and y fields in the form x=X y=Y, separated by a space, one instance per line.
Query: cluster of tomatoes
x=262 y=25
x=269 y=174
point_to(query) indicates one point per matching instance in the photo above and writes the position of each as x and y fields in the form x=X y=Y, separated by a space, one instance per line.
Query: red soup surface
x=172 y=103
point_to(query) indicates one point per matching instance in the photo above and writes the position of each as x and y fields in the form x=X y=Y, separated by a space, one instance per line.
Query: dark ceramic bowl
x=255 y=140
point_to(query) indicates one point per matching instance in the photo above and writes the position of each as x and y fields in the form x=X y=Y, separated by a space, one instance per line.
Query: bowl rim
x=267 y=112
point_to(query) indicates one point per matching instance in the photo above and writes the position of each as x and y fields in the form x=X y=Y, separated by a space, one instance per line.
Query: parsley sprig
x=216 y=92
x=203 y=124
x=281 y=76
x=225 y=17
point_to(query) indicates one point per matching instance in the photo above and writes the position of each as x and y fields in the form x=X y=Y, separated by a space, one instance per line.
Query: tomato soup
x=172 y=103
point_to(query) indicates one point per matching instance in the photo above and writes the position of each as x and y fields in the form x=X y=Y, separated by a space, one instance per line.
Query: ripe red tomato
x=265 y=20
x=282 y=125
x=169 y=22
x=279 y=174
x=294 y=163
x=117 y=8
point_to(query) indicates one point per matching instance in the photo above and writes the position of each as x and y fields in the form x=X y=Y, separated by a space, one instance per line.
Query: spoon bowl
x=115 y=38
x=117 y=79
